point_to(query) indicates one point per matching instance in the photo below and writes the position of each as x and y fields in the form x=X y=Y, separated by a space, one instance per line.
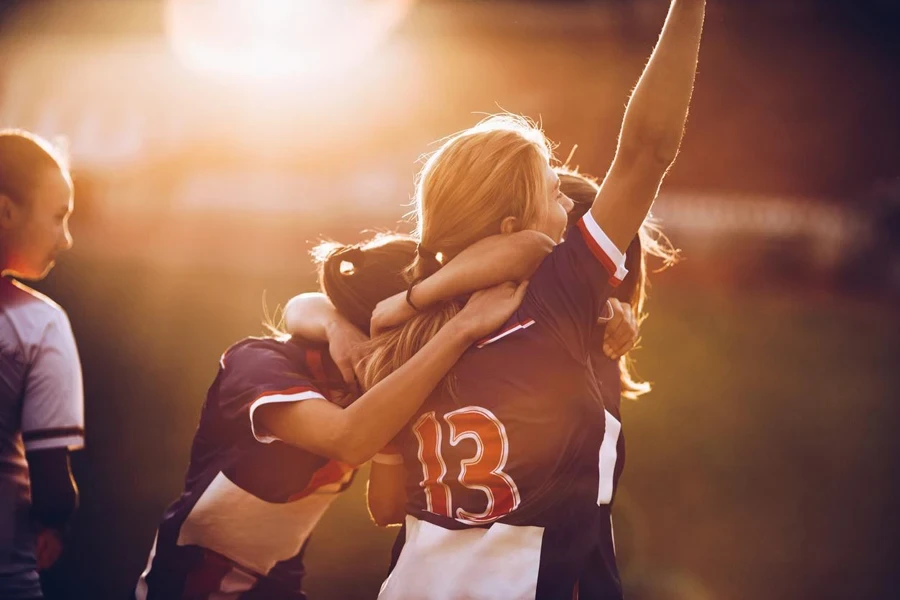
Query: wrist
x=334 y=323
x=462 y=332
x=420 y=295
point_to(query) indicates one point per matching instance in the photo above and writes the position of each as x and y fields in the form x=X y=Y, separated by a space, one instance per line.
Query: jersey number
x=483 y=471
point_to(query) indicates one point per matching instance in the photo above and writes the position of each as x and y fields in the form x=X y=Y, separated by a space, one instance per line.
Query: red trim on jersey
x=314 y=362
x=332 y=472
x=599 y=253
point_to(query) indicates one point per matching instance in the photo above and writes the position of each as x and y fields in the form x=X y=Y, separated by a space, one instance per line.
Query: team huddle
x=478 y=364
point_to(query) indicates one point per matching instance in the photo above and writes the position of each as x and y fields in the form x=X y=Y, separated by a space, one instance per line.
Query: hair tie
x=351 y=254
x=424 y=253
x=409 y=290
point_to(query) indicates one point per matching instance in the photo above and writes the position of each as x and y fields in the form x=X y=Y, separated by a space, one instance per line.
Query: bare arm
x=653 y=125
x=386 y=494
x=310 y=316
x=313 y=317
x=354 y=434
x=498 y=258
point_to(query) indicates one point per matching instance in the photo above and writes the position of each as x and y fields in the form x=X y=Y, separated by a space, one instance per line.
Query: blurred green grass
x=763 y=464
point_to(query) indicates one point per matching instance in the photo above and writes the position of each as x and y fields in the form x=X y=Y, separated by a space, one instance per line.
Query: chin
x=38 y=274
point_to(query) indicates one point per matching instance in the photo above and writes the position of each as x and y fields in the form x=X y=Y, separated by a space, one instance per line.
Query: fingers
x=520 y=291
x=621 y=332
x=611 y=340
x=347 y=373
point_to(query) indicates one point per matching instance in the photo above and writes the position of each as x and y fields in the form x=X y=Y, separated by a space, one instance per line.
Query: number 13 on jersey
x=482 y=472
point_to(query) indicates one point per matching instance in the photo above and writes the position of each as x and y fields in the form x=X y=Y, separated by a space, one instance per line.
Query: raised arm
x=653 y=125
x=354 y=434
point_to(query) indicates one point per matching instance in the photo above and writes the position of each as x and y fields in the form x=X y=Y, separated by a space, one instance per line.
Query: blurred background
x=213 y=142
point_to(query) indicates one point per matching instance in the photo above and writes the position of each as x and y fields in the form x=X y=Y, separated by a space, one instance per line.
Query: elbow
x=347 y=448
x=650 y=152
x=292 y=312
x=533 y=247
x=386 y=516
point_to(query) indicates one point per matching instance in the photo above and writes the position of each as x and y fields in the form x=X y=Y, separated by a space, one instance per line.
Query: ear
x=509 y=225
x=8 y=212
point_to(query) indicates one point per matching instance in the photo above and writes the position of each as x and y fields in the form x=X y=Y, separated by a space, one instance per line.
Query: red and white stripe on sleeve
x=612 y=259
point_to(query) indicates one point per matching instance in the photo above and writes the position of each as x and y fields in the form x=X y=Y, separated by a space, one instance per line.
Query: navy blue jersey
x=250 y=501
x=504 y=476
x=599 y=576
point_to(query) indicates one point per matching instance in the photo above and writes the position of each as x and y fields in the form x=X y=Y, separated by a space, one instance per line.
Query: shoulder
x=34 y=314
x=15 y=294
x=256 y=355
x=273 y=347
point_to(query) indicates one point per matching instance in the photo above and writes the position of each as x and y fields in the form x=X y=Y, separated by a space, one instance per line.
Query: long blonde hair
x=475 y=180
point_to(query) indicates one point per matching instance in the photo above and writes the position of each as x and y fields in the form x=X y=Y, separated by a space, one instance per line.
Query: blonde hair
x=475 y=180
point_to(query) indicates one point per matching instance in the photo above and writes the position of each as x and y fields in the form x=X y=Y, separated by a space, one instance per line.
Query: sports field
x=761 y=467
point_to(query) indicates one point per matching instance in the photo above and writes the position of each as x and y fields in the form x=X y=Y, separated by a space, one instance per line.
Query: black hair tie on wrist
x=409 y=290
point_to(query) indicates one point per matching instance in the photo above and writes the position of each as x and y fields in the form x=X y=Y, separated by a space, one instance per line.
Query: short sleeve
x=53 y=404
x=571 y=286
x=257 y=373
x=389 y=455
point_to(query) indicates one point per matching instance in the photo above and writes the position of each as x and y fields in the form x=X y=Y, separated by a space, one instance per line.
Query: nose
x=568 y=204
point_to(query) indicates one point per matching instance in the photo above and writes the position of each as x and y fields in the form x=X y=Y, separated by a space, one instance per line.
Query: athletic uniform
x=505 y=476
x=41 y=408
x=599 y=577
x=250 y=501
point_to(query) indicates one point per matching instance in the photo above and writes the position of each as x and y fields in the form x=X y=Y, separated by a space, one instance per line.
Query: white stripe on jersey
x=606 y=245
x=608 y=459
x=248 y=530
x=505 y=333
x=271 y=399
x=496 y=563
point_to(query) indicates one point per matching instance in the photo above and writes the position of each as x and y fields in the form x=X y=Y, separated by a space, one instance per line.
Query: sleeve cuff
x=71 y=438
x=391 y=459
x=603 y=249
x=259 y=432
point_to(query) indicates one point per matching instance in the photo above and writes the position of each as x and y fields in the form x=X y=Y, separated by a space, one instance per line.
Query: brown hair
x=357 y=277
x=24 y=159
x=650 y=240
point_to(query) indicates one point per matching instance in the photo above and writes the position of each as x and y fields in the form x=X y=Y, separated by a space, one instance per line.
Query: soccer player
x=508 y=461
x=612 y=369
x=41 y=396
x=495 y=259
x=281 y=434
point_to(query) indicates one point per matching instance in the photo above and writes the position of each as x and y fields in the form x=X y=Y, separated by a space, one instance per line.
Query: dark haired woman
x=280 y=434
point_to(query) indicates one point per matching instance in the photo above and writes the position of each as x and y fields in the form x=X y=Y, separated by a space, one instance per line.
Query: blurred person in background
x=509 y=460
x=280 y=436
x=41 y=395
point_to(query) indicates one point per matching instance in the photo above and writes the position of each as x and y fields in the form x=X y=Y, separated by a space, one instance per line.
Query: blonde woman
x=508 y=465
